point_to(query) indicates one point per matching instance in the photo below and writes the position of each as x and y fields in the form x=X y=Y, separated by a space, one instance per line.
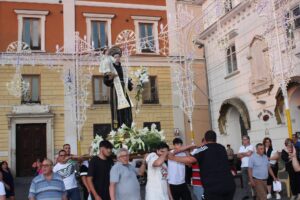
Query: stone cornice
x=224 y=19
x=32 y=12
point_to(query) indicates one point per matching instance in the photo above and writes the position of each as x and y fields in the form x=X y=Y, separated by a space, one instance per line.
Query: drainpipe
x=202 y=46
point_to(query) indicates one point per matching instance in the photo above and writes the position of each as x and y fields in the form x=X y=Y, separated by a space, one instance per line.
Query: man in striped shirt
x=47 y=186
x=197 y=185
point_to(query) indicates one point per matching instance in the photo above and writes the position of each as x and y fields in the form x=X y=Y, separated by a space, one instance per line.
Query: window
x=31 y=33
x=296 y=16
x=98 y=29
x=33 y=93
x=228 y=5
x=100 y=91
x=102 y=130
x=146 y=29
x=31 y=28
x=149 y=124
x=147 y=43
x=231 y=59
x=150 y=93
x=99 y=34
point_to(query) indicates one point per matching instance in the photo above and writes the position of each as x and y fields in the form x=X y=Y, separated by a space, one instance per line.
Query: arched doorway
x=294 y=101
x=235 y=128
x=234 y=122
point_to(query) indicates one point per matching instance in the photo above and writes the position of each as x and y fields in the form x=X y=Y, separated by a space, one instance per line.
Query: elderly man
x=48 y=185
x=123 y=180
x=258 y=169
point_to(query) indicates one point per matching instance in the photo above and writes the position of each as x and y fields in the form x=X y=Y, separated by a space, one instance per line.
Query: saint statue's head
x=116 y=52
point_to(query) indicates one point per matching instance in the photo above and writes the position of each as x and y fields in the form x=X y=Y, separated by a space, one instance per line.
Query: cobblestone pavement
x=23 y=184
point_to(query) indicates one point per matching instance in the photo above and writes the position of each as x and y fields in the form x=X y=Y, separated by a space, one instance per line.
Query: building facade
x=201 y=117
x=245 y=97
x=37 y=124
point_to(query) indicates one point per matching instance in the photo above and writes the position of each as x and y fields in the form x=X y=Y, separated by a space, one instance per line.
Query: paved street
x=22 y=187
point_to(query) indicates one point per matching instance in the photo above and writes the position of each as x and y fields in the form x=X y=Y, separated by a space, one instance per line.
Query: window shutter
x=103 y=35
x=95 y=34
x=26 y=31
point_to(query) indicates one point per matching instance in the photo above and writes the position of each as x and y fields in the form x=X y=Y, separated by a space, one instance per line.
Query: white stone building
x=245 y=98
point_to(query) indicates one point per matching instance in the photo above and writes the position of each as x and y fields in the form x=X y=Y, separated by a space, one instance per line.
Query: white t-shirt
x=273 y=162
x=157 y=186
x=176 y=171
x=245 y=160
x=2 y=189
x=67 y=172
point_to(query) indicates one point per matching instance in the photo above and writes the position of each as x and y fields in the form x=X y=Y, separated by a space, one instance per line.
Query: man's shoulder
x=59 y=166
x=56 y=176
x=200 y=149
x=116 y=166
x=38 y=178
x=94 y=159
x=151 y=156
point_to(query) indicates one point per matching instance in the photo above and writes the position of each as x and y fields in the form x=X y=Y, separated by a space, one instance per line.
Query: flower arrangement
x=142 y=78
x=135 y=140
x=95 y=145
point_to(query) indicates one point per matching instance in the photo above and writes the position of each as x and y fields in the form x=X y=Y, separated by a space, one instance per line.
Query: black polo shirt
x=214 y=167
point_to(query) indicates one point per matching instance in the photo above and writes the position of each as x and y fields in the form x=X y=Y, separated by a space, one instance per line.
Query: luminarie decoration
x=280 y=36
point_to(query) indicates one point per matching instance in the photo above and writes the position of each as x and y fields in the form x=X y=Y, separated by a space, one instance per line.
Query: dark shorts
x=10 y=193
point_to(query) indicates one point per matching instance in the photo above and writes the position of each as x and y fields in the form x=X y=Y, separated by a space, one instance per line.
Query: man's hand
x=98 y=197
x=111 y=75
x=252 y=183
x=165 y=154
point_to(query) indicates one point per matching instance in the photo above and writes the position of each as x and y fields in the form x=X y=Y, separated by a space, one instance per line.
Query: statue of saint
x=120 y=85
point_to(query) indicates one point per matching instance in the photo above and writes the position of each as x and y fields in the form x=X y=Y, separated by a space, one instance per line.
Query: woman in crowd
x=2 y=188
x=37 y=167
x=293 y=175
x=8 y=181
x=273 y=157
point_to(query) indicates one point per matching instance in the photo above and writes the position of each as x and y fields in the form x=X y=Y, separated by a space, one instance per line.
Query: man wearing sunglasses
x=47 y=185
x=67 y=171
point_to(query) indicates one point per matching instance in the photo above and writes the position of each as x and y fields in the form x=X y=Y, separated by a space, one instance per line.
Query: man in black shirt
x=98 y=172
x=216 y=176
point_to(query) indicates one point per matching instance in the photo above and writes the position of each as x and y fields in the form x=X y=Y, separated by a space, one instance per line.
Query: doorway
x=235 y=129
x=31 y=143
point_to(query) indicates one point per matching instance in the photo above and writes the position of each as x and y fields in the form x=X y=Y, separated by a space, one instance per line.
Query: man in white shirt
x=176 y=175
x=67 y=171
x=244 y=154
x=157 y=185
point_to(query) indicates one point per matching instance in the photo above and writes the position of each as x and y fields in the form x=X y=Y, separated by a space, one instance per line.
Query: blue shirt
x=259 y=165
x=42 y=189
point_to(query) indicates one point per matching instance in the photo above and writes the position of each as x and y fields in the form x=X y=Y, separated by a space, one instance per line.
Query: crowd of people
x=212 y=172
